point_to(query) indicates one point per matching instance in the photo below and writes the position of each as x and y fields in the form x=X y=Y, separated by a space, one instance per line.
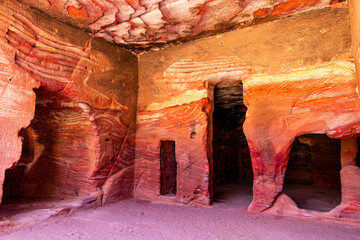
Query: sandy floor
x=314 y=197
x=23 y=206
x=134 y=219
x=305 y=196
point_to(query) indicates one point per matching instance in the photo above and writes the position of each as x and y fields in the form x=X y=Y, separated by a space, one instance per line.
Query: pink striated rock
x=82 y=131
x=140 y=22
x=102 y=116
x=17 y=105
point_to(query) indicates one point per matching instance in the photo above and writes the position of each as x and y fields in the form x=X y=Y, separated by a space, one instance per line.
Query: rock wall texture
x=17 y=103
x=143 y=22
x=81 y=139
x=297 y=80
x=71 y=103
x=354 y=10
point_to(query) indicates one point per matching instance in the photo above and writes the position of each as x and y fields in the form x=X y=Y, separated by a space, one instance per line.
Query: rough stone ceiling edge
x=140 y=25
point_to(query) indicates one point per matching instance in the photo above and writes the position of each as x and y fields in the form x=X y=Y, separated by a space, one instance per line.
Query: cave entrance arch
x=312 y=178
x=231 y=163
x=55 y=161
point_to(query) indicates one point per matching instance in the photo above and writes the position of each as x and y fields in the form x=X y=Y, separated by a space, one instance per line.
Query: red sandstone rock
x=17 y=103
x=112 y=191
x=350 y=176
x=347 y=211
x=146 y=22
x=354 y=10
x=302 y=90
x=82 y=132
x=89 y=104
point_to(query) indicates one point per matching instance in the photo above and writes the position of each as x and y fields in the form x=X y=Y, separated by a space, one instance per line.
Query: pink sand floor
x=135 y=219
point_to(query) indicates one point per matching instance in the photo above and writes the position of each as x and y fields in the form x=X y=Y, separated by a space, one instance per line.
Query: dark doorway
x=168 y=168
x=232 y=172
x=312 y=177
x=357 y=159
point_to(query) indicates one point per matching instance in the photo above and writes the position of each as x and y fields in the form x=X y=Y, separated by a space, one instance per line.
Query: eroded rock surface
x=84 y=113
x=306 y=89
x=144 y=22
x=71 y=103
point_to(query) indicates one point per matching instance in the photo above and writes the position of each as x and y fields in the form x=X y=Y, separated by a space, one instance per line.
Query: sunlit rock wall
x=83 y=133
x=298 y=78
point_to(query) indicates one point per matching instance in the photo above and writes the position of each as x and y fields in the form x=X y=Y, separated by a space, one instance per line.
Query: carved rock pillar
x=350 y=172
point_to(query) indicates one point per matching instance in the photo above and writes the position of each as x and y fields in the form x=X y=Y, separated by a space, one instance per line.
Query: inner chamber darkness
x=168 y=167
x=312 y=177
x=231 y=155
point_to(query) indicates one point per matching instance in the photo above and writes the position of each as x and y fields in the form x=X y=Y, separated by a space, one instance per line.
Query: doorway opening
x=357 y=159
x=312 y=177
x=232 y=171
x=168 y=168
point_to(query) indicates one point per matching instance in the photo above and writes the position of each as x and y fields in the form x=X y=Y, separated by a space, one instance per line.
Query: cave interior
x=257 y=107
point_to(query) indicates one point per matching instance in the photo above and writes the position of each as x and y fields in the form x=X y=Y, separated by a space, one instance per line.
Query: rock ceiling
x=143 y=23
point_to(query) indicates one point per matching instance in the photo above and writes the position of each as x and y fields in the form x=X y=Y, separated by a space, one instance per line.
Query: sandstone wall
x=298 y=78
x=82 y=136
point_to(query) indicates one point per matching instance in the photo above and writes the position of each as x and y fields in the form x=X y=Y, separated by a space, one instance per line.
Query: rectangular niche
x=168 y=168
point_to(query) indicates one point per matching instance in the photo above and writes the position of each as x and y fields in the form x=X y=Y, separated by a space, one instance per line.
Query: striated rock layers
x=71 y=103
x=293 y=84
x=145 y=22
x=83 y=130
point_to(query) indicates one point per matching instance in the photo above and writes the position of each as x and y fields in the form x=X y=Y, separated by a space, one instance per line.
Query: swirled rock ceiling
x=91 y=95
x=140 y=23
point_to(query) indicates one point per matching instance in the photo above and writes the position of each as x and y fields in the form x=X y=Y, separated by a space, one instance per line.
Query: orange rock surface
x=82 y=132
x=142 y=23
x=80 y=116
